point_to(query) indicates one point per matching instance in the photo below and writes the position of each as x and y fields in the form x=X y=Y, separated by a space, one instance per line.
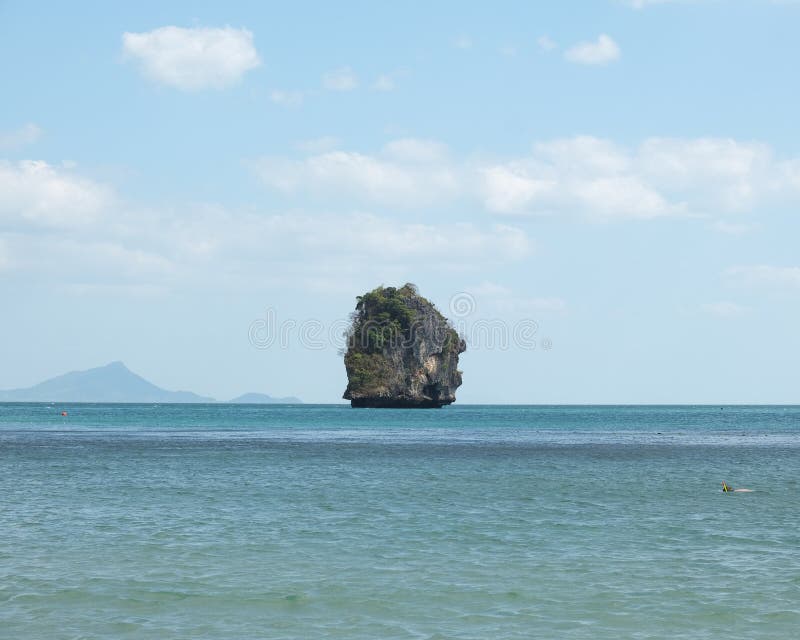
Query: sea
x=242 y=522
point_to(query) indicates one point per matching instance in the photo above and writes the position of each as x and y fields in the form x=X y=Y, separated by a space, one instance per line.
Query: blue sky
x=614 y=185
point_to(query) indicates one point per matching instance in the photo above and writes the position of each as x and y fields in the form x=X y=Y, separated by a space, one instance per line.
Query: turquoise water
x=239 y=522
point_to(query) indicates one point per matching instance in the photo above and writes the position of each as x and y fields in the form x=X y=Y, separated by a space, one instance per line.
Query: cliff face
x=401 y=352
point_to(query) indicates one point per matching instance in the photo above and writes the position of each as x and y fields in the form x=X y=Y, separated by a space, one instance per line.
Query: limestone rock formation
x=401 y=352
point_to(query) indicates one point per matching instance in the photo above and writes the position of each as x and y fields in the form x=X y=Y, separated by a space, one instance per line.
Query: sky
x=602 y=195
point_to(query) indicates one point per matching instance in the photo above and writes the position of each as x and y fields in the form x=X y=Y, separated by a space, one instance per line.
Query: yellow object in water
x=728 y=489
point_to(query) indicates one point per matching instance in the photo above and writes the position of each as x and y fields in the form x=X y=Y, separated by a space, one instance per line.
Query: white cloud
x=582 y=175
x=406 y=173
x=765 y=275
x=601 y=51
x=145 y=251
x=63 y=228
x=34 y=192
x=193 y=59
x=623 y=196
x=584 y=155
x=341 y=79
x=660 y=177
x=25 y=135
x=724 y=309
x=510 y=189
x=286 y=98
x=546 y=43
x=736 y=173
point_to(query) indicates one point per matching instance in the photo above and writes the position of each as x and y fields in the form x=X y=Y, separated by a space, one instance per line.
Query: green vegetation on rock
x=367 y=372
x=383 y=315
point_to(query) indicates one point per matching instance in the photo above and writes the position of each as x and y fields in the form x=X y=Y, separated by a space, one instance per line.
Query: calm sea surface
x=490 y=522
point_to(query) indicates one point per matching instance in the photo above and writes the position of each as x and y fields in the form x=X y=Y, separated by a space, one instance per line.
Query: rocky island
x=401 y=352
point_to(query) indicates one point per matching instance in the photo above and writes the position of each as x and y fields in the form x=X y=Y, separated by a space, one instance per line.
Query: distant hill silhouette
x=262 y=398
x=111 y=383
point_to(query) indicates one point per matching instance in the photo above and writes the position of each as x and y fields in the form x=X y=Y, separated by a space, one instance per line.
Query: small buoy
x=63 y=413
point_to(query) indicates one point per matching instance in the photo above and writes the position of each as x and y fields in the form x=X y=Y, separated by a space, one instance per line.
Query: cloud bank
x=58 y=223
x=586 y=176
x=58 y=226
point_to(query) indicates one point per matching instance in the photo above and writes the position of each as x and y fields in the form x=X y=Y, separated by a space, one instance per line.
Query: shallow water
x=215 y=521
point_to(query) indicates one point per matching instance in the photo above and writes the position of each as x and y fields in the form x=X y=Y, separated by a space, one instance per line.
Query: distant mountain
x=111 y=383
x=261 y=398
